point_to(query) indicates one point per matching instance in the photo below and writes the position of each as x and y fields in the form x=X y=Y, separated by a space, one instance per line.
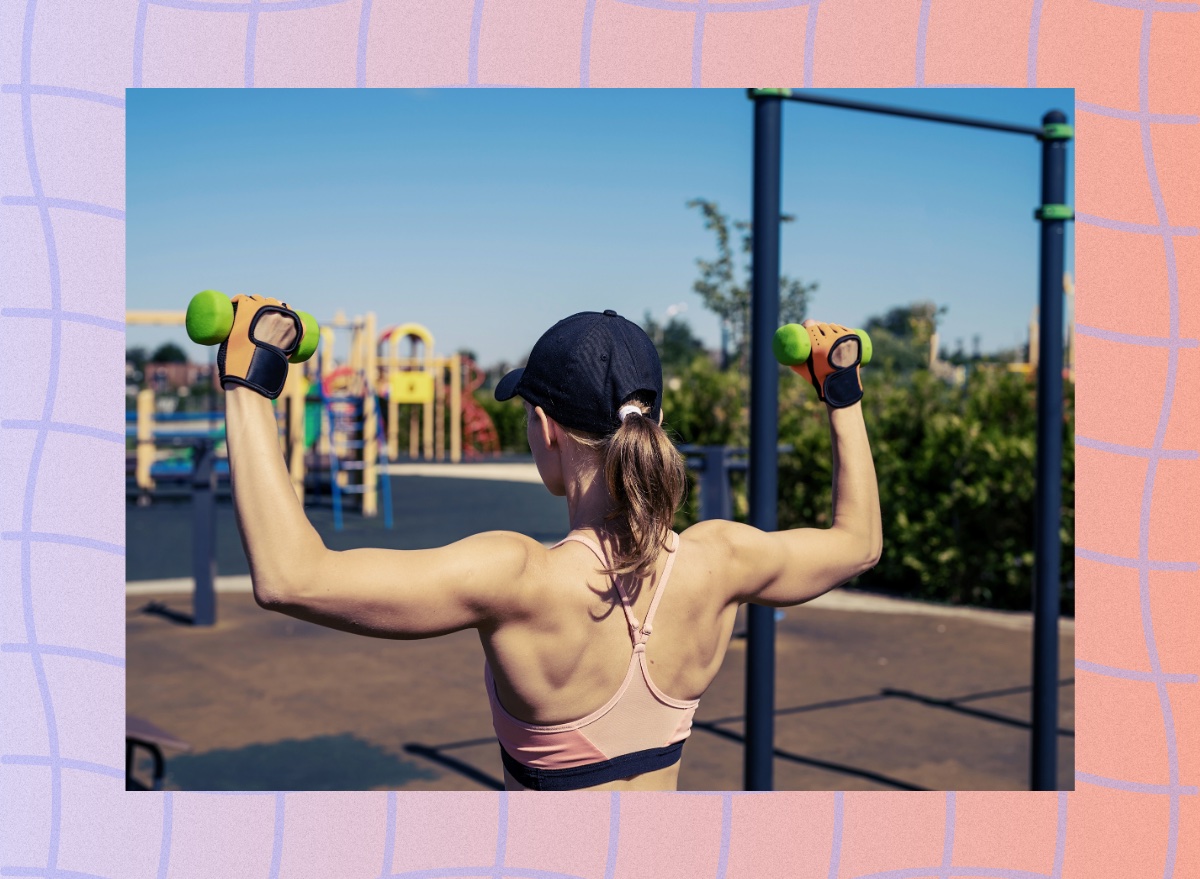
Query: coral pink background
x=64 y=66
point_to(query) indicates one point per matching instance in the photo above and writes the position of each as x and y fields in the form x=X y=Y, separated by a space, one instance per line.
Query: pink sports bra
x=640 y=729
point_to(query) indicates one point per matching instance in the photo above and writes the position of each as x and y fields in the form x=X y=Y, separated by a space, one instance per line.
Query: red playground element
x=479 y=433
x=330 y=382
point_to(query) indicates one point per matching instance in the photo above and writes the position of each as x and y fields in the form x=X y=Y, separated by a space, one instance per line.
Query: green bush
x=509 y=419
x=706 y=406
x=955 y=467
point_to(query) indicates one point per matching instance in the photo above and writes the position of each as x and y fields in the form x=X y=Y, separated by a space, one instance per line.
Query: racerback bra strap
x=662 y=586
x=630 y=619
x=638 y=632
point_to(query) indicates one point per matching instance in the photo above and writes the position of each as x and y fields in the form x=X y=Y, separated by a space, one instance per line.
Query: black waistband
x=576 y=777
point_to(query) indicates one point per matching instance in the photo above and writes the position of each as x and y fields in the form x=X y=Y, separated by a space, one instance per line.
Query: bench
x=141 y=733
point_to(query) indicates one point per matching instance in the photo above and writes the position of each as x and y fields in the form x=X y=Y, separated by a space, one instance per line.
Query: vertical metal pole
x=715 y=502
x=1048 y=547
x=456 y=411
x=204 y=526
x=764 y=402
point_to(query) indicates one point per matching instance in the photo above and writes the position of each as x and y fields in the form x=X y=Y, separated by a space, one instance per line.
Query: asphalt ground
x=426 y=511
x=871 y=693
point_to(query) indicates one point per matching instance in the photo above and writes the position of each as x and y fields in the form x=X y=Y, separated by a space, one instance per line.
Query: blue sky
x=489 y=214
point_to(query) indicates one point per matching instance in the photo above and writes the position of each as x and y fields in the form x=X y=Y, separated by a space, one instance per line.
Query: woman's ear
x=660 y=417
x=544 y=425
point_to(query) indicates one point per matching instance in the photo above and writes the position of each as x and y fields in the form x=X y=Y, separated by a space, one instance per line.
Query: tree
x=916 y=322
x=136 y=358
x=168 y=352
x=677 y=345
x=900 y=338
x=728 y=296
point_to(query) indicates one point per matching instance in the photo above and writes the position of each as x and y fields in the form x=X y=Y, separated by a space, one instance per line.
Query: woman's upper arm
x=416 y=593
x=782 y=568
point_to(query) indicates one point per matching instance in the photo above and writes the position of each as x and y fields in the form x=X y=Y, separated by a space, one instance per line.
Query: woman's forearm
x=855 y=489
x=280 y=542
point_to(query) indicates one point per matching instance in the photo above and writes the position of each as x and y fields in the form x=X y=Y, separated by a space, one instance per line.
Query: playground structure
x=416 y=386
x=161 y=438
x=329 y=418
x=433 y=393
x=339 y=417
x=164 y=441
x=1030 y=367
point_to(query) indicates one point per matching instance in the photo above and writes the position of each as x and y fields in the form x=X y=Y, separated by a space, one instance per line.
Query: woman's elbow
x=283 y=590
x=270 y=593
x=874 y=554
x=871 y=554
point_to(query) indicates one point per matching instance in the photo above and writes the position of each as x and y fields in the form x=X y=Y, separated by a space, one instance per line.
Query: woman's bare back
x=571 y=653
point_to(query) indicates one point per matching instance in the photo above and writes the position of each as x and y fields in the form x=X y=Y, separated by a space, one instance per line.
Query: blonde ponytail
x=645 y=476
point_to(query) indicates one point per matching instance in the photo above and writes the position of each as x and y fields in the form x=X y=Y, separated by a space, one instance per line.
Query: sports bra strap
x=630 y=619
x=639 y=633
x=586 y=541
x=662 y=586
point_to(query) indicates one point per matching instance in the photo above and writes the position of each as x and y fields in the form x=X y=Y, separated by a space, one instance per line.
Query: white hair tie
x=627 y=410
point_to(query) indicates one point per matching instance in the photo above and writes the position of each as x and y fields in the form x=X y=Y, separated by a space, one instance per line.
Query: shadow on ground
x=342 y=762
x=437 y=754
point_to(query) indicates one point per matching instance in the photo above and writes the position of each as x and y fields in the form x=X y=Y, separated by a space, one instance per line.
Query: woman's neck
x=588 y=500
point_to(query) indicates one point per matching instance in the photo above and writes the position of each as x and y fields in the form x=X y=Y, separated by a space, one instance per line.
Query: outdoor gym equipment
x=1054 y=134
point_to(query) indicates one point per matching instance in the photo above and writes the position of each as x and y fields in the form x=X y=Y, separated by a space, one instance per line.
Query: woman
x=600 y=647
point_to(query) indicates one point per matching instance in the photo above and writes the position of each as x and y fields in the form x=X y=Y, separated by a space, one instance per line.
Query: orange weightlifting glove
x=833 y=364
x=256 y=353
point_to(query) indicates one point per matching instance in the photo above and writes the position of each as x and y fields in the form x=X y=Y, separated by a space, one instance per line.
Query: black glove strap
x=268 y=364
x=266 y=375
x=842 y=386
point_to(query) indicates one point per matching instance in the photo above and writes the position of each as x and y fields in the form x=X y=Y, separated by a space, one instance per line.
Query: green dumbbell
x=792 y=345
x=210 y=318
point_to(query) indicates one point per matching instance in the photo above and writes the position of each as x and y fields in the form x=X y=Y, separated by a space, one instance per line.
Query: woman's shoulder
x=720 y=535
x=504 y=548
x=515 y=563
x=508 y=556
x=727 y=548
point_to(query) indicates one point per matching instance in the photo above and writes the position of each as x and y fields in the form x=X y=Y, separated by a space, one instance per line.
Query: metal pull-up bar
x=948 y=118
x=1054 y=135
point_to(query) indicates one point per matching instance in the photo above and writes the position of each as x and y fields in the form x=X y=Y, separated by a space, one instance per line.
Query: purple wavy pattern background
x=63 y=71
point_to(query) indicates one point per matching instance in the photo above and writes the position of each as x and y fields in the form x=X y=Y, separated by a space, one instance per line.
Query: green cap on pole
x=1057 y=131
x=1054 y=212
x=769 y=93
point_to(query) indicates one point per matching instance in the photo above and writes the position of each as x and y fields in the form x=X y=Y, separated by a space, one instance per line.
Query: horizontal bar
x=805 y=98
x=155 y=318
x=181 y=416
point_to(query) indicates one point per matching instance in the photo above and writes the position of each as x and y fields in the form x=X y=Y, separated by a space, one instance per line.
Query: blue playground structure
x=345 y=419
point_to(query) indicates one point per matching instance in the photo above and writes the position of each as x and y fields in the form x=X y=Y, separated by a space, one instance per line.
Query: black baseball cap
x=584 y=368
